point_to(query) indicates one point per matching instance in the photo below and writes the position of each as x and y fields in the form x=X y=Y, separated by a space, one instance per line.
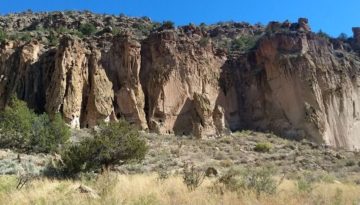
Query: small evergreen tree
x=114 y=144
x=22 y=129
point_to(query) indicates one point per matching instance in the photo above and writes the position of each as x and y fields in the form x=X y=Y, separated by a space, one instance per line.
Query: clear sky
x=332 y=16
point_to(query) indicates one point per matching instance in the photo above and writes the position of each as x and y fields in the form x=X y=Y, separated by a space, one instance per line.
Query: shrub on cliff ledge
x=22 y=129
x=167 y=25
x=2 y=35
x=244 y=43
x=114 y=143
x=87 y=29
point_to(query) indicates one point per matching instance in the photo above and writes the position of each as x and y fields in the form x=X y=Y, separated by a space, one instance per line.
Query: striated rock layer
x=293 y=83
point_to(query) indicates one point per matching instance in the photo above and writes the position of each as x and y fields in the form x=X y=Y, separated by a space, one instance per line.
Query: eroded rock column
x=125 y=62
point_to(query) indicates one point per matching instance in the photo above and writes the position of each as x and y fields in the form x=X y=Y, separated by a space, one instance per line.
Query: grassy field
x=149 y=190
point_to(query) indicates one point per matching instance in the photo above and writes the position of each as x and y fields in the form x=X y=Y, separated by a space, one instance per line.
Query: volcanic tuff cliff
x=187 y=80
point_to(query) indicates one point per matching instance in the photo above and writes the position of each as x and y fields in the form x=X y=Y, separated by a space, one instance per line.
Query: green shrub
x=204 y=41
x=53 y=39
x=244 y=43
x=2 y=35
x=87 y=29
x=114 y=143
x=116 y=31
x=63 y=30
x=22 y=129
x=143 y=28
x=263 y=147
x=350 y=163
x=305 y=184
x=23 y=36
x=258 y=180
x=306 y=181
x=167 y=25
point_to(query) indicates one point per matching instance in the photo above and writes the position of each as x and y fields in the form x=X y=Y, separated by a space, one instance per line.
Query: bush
x=163 y=175
x=193 y=178
x=259 y=180
x=167 y=25
x=87 y=29
x=143 y=28
x=263 y=147
x=53 y=39
x=22 y=129
x=305 y=183
x=23 y=36
x=2 y=35
x=114 y=143
x=244 y=43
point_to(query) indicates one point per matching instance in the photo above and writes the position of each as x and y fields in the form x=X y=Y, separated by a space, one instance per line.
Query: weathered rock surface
x=124 y=69
x=298 y=86
x=180 y=80
x=292 y=82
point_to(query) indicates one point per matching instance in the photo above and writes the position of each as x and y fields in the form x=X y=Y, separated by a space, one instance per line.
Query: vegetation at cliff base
x=113 y=144
x=22 y=129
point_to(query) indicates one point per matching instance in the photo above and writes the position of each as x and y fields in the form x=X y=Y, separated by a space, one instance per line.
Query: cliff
x=190 y=80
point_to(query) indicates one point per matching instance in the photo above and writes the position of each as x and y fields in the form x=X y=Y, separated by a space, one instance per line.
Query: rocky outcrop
x=99 y=95
x=186 y=81
x=80 y=88
x=297 y=86
x=20 y=73
x=180 y=80
x=69 y=80
x=124 y=70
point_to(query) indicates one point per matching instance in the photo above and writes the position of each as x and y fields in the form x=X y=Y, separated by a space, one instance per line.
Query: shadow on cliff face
x=26 y=79
x=40 y=78
x=240 y=76
x=248 y=98
x=183 y=124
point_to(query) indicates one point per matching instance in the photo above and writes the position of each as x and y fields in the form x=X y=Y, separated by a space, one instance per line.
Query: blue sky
x=331 y=16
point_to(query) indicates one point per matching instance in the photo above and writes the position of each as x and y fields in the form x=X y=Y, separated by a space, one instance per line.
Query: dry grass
x=147 y=190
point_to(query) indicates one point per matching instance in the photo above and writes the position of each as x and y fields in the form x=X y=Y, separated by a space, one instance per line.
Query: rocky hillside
x=192 y=80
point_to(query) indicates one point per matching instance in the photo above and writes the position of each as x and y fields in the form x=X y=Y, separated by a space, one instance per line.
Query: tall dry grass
x=148 y=190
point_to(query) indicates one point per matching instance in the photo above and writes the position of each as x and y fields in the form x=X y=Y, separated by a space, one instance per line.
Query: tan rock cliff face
x=69 y=80
x=180 y=79
x=80 y=88
x=124 y=69
x=293 y=83
x=20 y=72
x=298 y=86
